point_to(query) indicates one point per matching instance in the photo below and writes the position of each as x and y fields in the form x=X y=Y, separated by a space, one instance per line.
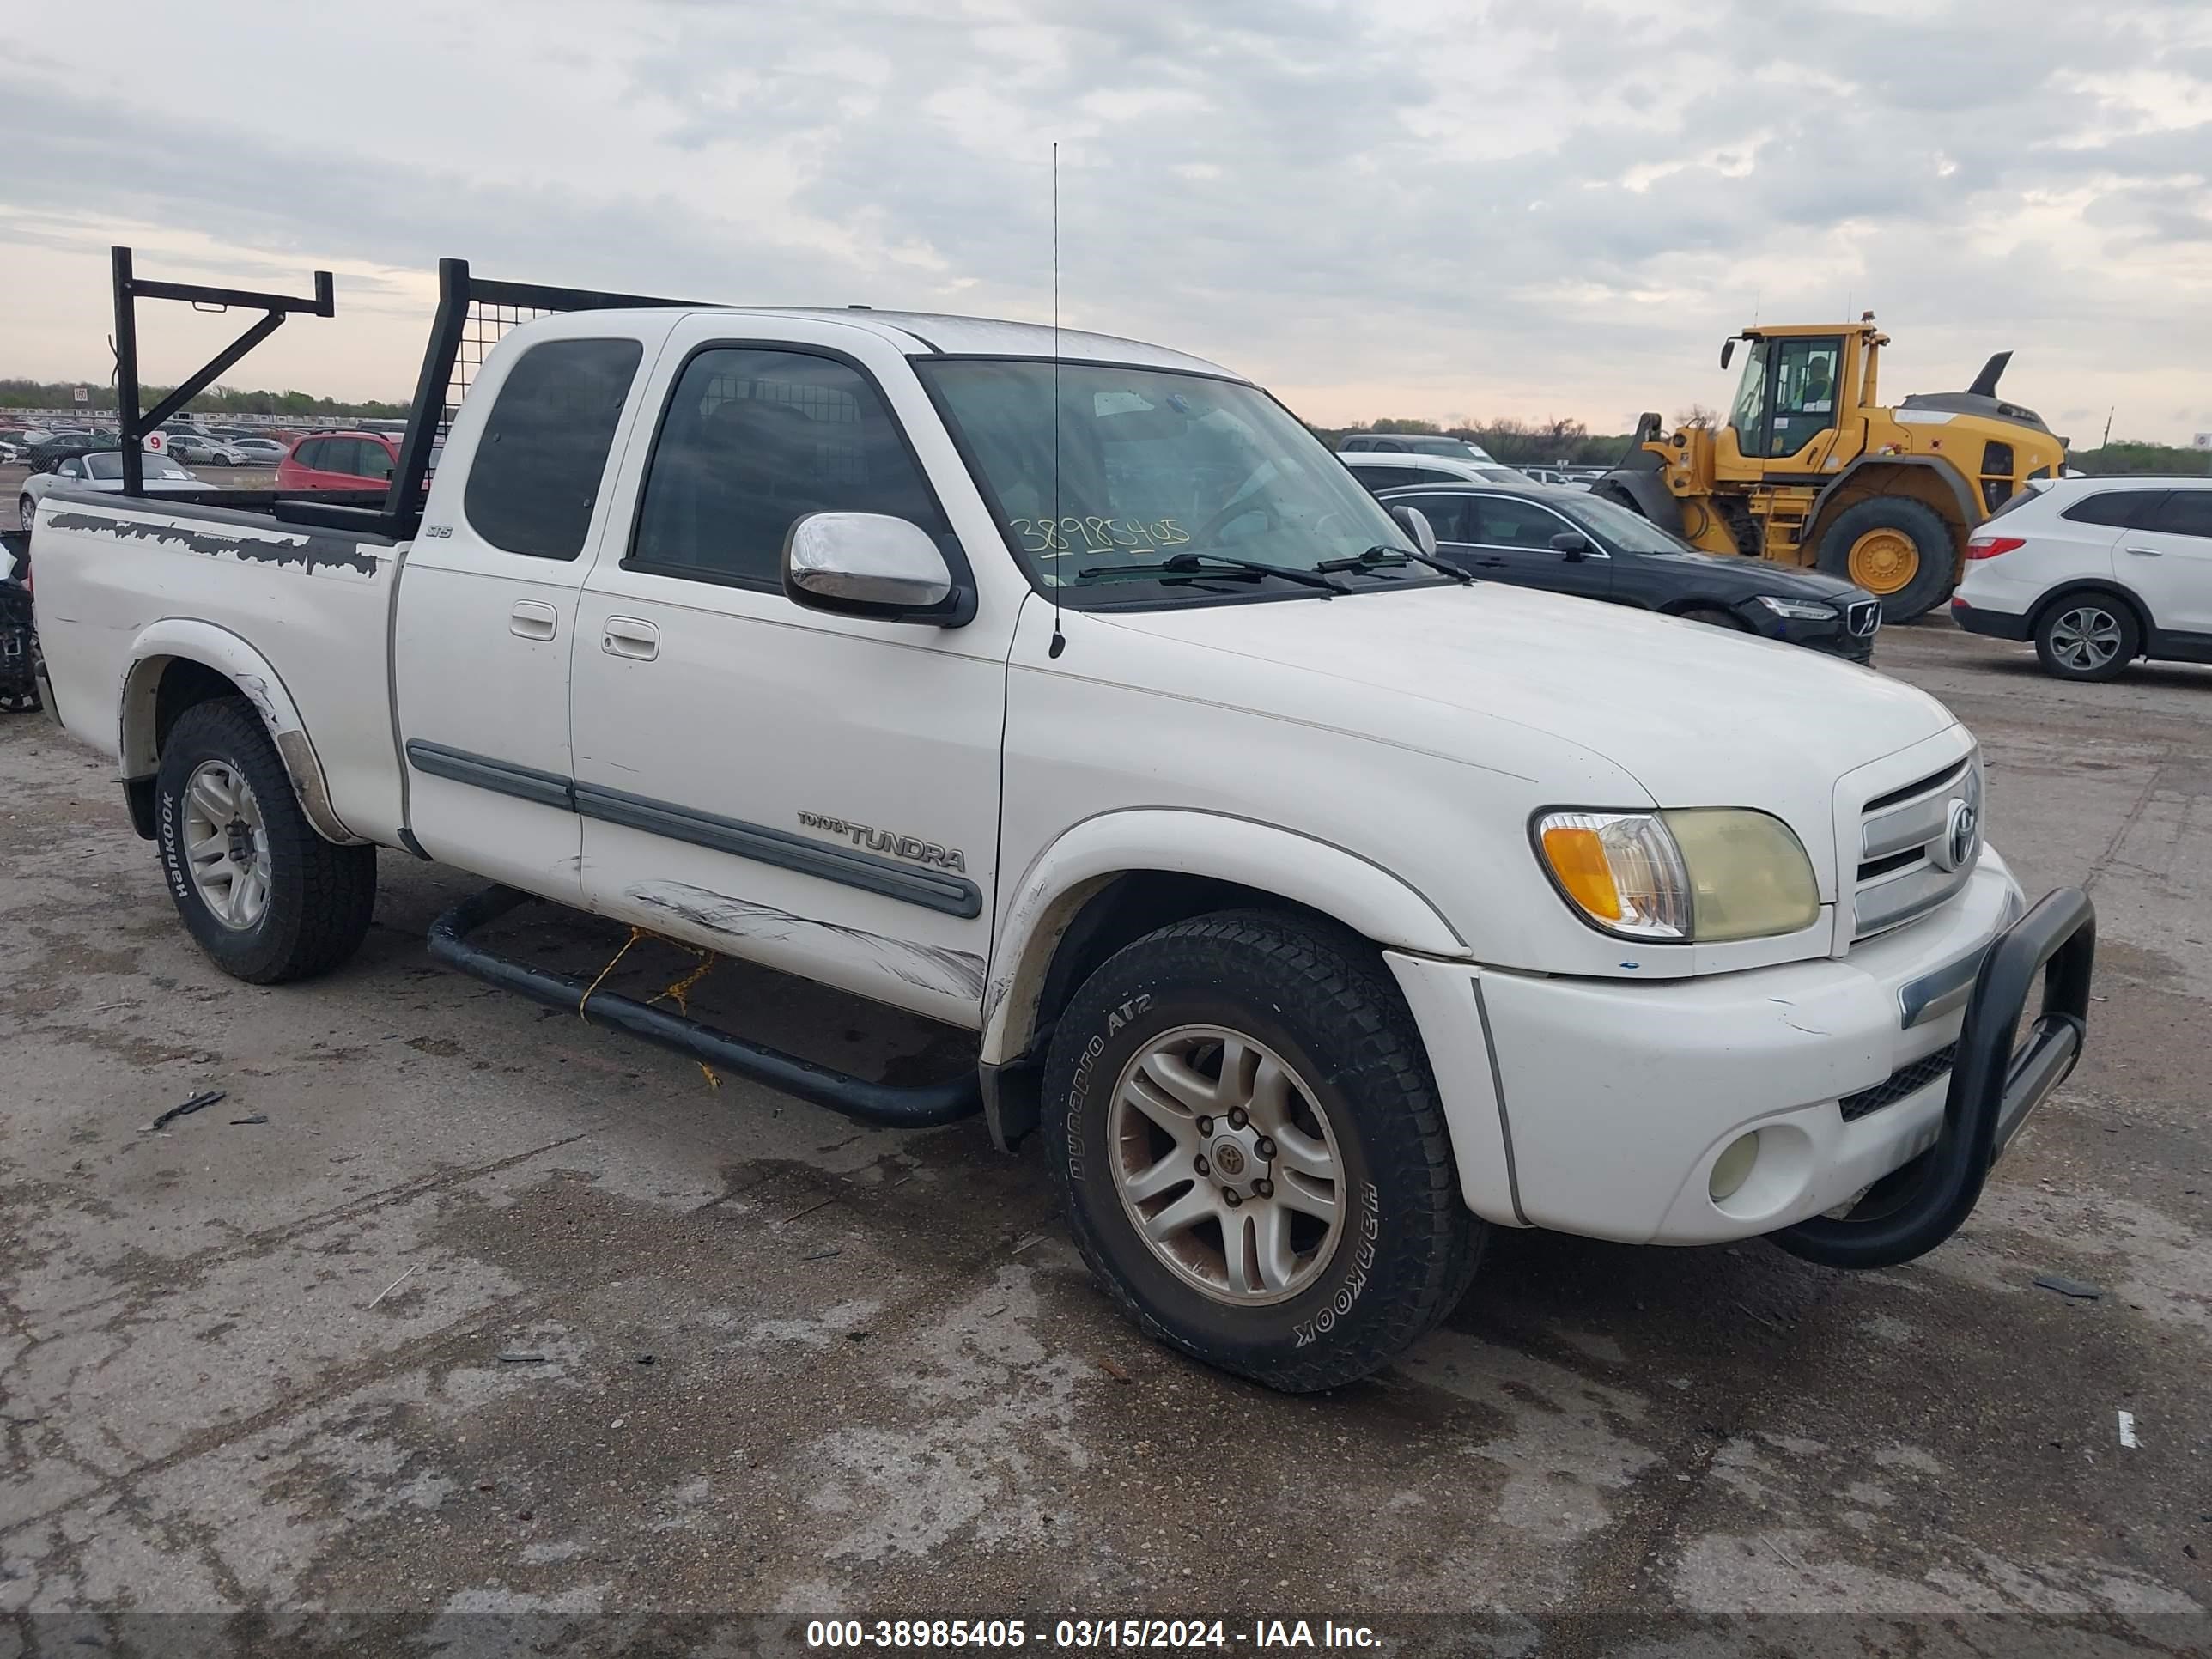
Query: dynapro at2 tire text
x=1313 y=1002
x=317 y=896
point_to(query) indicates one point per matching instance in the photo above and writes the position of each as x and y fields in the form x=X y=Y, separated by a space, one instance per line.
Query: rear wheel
x=1898 y=549
x=2087 y=636
x=1249 y=1144
x=268 y=898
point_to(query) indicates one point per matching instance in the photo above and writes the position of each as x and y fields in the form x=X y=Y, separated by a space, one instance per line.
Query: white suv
x=1397 y=472
x=2097 y=572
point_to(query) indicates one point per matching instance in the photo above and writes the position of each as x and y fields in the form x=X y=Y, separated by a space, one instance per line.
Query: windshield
x=111 y=466
x=1149 y=465
x=1750 y=410
x=1630 y=531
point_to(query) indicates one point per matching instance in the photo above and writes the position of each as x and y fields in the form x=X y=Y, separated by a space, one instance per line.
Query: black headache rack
x=474 y=314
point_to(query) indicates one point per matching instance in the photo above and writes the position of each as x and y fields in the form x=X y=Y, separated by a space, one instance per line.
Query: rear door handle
x=627 y=636
x=2146 y=552
x=531 y=620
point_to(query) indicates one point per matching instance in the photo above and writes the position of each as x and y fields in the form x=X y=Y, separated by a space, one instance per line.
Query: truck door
x=818 y=793
x=486 y=605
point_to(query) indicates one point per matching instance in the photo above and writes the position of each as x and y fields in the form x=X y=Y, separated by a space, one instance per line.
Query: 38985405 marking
x=1081 y=1635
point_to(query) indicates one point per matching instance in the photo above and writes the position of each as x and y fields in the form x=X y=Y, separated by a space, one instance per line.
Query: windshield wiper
x=1184 y=564
x=1381 y=554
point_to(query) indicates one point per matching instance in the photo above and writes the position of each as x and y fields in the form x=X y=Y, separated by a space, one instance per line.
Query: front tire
x=268 y=899
x=1898 y=549
x=2087 y=636
x=1249 y=1147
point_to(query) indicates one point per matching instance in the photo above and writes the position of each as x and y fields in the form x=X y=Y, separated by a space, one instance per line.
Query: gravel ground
x=506 y=1332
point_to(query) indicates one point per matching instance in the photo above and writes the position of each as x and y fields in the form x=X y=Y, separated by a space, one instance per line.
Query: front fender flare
x=1318 y=874
x=185 y=638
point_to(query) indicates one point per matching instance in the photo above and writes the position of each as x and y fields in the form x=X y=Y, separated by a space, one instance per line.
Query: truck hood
x=1698 y=716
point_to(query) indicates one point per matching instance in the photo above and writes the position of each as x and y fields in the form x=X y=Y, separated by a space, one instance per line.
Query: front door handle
x=531 y=620
x=2145 y=552
x=627 y=636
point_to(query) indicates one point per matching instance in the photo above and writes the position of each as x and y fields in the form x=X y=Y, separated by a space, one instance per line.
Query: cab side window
x=2185 y=513
x=1447 y=514
x=1806 y=374
x=2125 y=509
x=754 y=438
x=1498 y=522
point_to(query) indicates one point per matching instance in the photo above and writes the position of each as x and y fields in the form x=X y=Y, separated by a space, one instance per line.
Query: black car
x=49 y=452
x=1567 y=541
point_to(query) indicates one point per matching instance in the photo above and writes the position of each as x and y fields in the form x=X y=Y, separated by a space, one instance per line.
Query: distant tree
x=1698 y=415
x=2126 y=456
x=217 y=400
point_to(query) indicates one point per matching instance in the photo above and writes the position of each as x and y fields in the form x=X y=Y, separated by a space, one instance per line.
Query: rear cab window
x=543 y=454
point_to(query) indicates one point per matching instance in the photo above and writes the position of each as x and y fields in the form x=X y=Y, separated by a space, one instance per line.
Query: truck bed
x=315 y=604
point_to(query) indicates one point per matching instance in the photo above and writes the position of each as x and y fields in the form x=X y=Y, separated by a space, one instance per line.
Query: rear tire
x=2091 y=635
x=1898 y=549
x=267 y=898
x=1360 y=1243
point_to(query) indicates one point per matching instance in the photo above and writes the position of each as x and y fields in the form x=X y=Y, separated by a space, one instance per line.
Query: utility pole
x=2108 y=426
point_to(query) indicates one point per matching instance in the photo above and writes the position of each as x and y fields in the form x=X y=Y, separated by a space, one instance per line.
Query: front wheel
x=1898 y=549
x=268 y=898
x=1249 y=1144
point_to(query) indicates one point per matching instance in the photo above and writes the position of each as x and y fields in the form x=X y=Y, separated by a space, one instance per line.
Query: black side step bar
x=880 y=1105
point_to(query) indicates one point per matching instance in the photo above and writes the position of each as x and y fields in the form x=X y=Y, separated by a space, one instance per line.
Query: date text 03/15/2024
x=1110 y=1635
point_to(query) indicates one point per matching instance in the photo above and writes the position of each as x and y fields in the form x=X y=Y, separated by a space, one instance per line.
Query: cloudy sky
x=1387 y=207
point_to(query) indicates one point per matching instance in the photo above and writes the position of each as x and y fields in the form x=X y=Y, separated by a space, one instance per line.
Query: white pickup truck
x=1320 y=909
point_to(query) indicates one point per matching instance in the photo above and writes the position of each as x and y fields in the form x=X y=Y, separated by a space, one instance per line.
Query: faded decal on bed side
x=312 y=553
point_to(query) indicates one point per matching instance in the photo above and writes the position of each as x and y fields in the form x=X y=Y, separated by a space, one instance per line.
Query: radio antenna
x=1059 y=640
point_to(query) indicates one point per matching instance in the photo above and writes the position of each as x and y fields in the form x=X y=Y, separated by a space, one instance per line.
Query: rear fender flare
x=1317 y=874
x=1825 y=505
x=183 y=639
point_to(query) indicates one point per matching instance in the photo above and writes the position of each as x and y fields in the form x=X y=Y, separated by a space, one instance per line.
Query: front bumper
x=1600 y=1107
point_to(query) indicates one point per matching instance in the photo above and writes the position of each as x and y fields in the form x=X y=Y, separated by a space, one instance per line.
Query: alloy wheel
x=1226 y=1164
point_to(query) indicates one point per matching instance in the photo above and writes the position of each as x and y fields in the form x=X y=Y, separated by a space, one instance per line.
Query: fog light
x=1732 y=1167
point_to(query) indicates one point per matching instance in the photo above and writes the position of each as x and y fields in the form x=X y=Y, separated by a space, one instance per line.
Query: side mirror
x=869 y=564
x=1572 y=543
x=1728 y=350
x=1415 y=523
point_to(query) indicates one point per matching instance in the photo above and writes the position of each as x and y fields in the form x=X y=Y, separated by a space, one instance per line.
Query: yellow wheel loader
x=1811 y=469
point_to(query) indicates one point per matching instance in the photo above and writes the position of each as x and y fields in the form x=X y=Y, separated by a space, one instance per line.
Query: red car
x=338 y=460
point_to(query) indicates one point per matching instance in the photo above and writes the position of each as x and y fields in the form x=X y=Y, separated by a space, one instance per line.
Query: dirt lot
x=498 y=1315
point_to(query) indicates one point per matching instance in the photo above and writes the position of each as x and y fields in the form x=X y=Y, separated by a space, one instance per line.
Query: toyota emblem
x=1960 y=829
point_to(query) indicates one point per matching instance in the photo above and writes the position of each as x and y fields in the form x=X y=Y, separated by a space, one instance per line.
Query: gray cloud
x=1387 y=210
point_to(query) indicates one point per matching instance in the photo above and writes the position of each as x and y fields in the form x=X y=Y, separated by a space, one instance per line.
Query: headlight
x=1703 y=874
x=1799 y=609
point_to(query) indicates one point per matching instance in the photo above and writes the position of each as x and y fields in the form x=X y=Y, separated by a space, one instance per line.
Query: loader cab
x=1798 y=388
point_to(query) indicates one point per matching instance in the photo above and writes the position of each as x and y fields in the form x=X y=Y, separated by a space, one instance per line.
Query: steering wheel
x=1209 y=531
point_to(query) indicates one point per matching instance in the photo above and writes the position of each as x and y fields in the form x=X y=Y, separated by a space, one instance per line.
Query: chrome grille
x=1863 y=618
x=1917 y=846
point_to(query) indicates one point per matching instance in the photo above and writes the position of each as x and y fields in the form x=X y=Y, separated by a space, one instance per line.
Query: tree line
x=217 y=400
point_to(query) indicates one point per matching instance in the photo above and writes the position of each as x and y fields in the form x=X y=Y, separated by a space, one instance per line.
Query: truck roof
x=924 y=333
